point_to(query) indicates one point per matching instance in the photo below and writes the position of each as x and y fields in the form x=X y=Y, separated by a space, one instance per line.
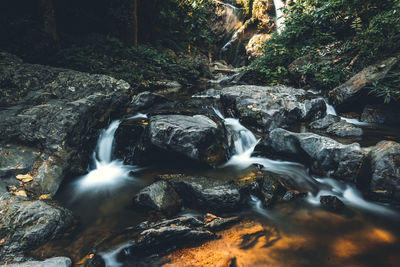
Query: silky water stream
x=295 y=233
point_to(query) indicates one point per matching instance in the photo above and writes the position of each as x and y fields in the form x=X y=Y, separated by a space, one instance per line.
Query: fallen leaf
x=82 y=261
x=17 y=166
x=5 y=154
x=128 y=110
x=25 y=178
x=2 y=241
x=45 y=196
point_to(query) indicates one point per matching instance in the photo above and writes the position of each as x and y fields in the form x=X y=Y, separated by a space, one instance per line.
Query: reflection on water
x=301 y=237
x=296 y=233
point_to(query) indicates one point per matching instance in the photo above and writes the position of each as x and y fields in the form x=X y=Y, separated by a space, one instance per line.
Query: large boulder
x=155 y=239
x=385 y=166
x=53 y=112
x=324 y=155
x=325 y=122
x=196 y=137
x=52 y=262
x=381 y=114
x=159 y=196
x=344 y=129
x=350 y=92
x=267 y=108
x=204 y=192
x=26 y=224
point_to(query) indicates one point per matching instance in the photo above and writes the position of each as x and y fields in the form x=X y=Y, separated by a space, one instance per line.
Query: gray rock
x=331 y=203
x=381 y=114
x=325 y=122
x=196 y=137
x=52 y=262
x=385 y=166
x=159 y=196
x=171 y=234
x=268 y=108
x=16 y=159
x=146 y=100
x=350 y=91
x=344 y=129
x=325 y=155
x=204 y=192
x=25 y=225
x=53 y=112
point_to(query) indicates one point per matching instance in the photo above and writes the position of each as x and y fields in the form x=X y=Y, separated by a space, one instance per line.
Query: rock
x=167 y=235
x=147 y=100
x=331 y=203
x=268 y=108
x=351 y=91
x=52 y=262
x=381 y=114
x=326 y=156
x=203 y=192
x=344 y=129
x=254 y=46
x=385 y=168
x=196 y=137
x=25 y=224
x=159 y=196
x=325 y=122
x=55 y=113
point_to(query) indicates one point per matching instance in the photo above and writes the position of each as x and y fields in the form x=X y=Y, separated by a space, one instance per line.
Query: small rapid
x=296 y=173
x=107 y=173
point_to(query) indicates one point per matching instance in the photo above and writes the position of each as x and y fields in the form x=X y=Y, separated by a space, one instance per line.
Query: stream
x=303 y=234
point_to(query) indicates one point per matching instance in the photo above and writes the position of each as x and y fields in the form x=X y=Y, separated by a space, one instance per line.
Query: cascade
x=107 y=173
x=279 y=15
x=296 y=173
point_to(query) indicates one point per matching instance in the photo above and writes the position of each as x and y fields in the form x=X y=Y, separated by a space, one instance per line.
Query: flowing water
x=279 y=15
x=298 y=233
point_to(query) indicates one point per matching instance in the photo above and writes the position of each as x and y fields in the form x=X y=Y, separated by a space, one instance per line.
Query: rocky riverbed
x=174 y=180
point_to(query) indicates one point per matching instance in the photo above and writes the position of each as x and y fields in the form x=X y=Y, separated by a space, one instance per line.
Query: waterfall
x=107 y=174
x=296 y=173
x=279 y=15
x=331 y=110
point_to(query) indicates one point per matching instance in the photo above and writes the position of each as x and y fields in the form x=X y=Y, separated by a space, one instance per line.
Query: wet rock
x=25 y=224
x=196 y=137
x=385 y=166
x=344 y=129
x=204 y=192
x=159 y=196
x=55 y=112
x=52 y=262
x=326 y=156
x=167 y=235
x=352 y=90
x=331 y=203
x=268 y=108
x=147 y=100
x=381 y=114
x=325 y=122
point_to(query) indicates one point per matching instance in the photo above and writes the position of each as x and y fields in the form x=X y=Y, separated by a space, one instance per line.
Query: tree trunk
x=135 y=24
x=49 y=19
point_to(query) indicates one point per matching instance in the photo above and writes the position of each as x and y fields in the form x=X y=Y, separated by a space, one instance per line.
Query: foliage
x=188 y=21
x=372 y=28
x=134 y=65
x=387 y=88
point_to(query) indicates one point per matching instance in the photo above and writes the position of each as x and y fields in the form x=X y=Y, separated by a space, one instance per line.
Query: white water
x=279 y=15
x=257 y=206
x=110 y=257
x=297 y=174
x=107 y=174
x=331 y=110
